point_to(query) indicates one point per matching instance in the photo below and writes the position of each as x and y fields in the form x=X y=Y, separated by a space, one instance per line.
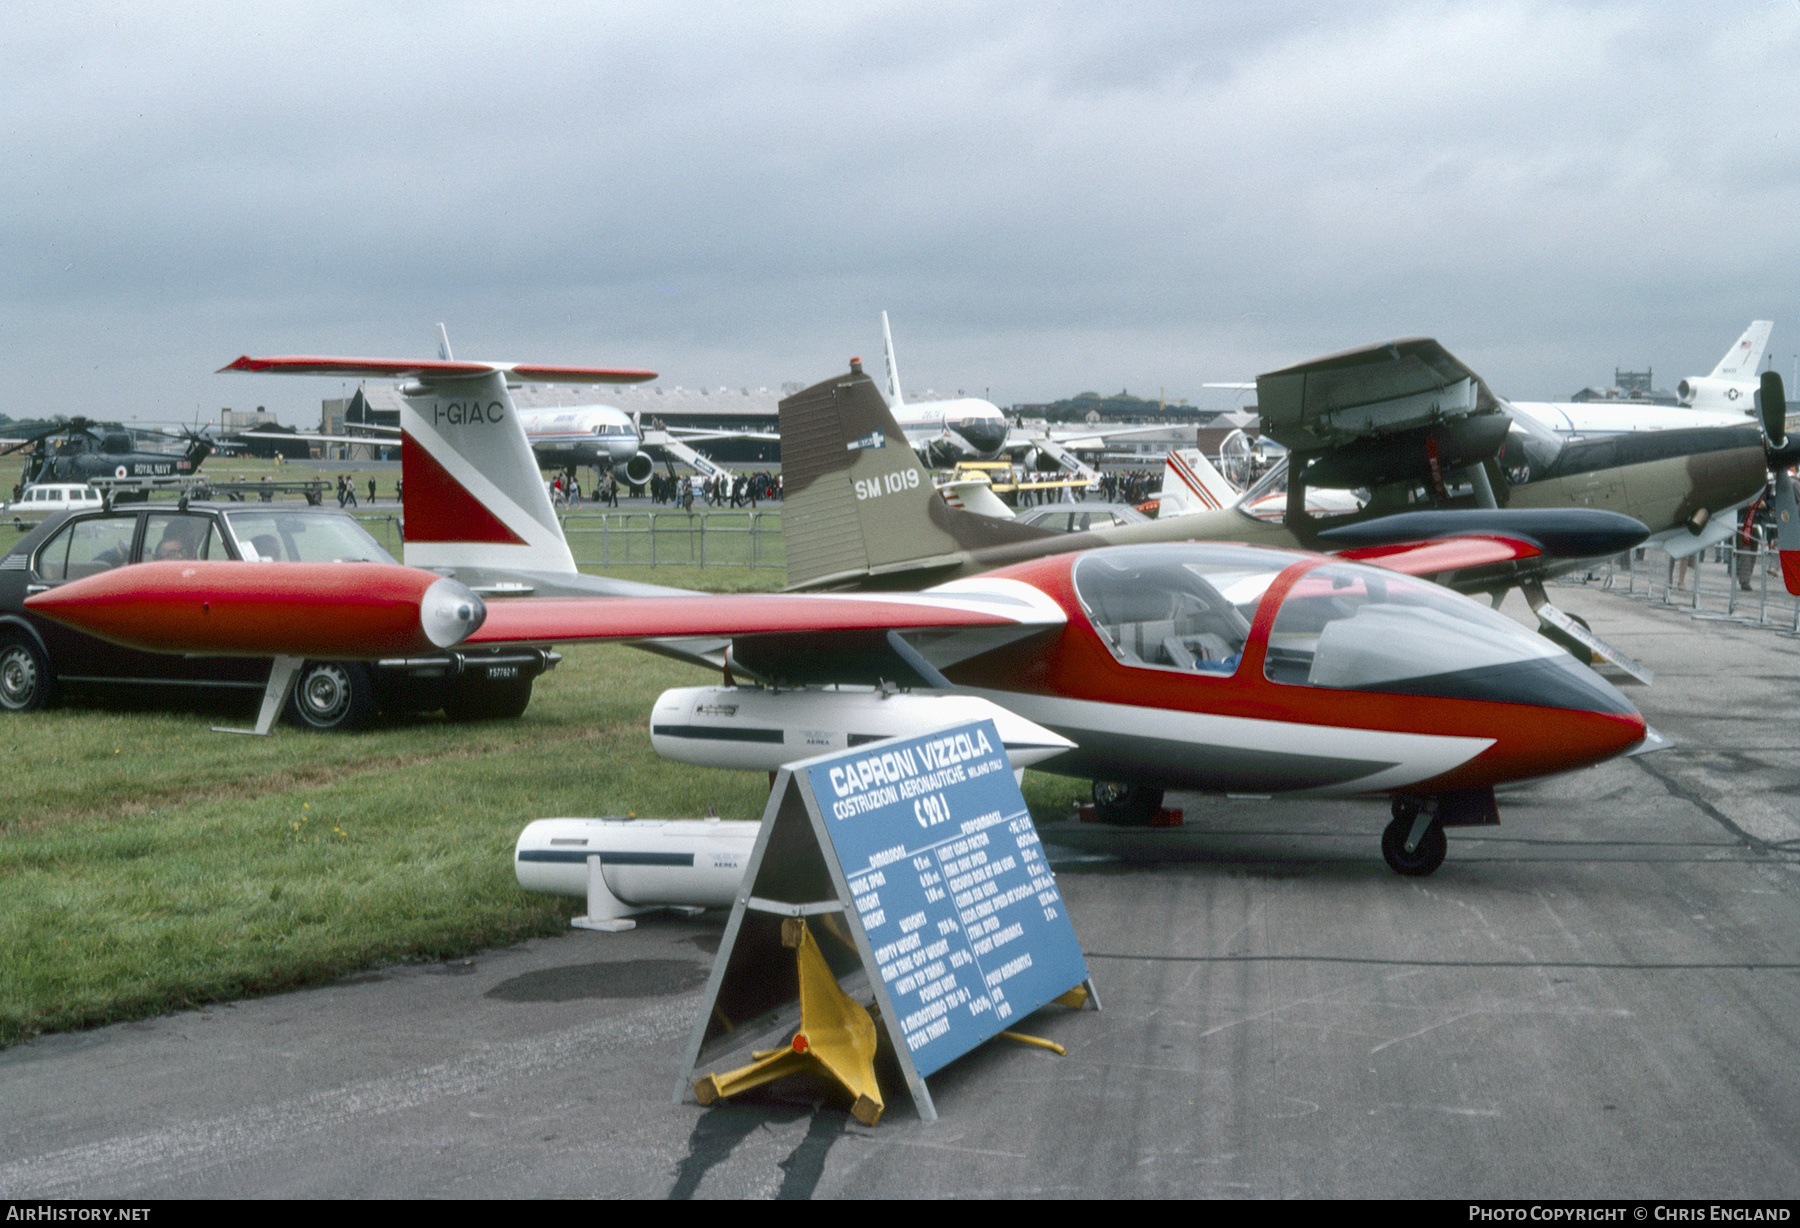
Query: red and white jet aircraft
x=1216 y=667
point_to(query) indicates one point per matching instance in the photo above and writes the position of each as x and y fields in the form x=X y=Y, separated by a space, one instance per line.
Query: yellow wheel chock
x=836 y=1035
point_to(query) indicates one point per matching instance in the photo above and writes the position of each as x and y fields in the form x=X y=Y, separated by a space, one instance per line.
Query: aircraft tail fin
x=856 y=502
x=1191 y=484
x=855 y=499
x=1733 y=382
x=893 y=368
x=474 y=496
x=1741 y=360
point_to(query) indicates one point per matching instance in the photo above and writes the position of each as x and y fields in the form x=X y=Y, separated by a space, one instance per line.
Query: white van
x=39 y=501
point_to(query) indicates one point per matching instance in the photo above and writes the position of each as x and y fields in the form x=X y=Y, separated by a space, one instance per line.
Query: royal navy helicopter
x=102 y=454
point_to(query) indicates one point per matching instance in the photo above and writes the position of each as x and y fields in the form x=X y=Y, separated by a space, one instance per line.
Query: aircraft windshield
x=296 y=537
x=1185 y=607
x=1530 y=448
x=1346 y=626
x=1267 y=497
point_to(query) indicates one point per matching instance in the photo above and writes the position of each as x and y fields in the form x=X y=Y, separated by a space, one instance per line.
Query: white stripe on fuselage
x=1414 y=756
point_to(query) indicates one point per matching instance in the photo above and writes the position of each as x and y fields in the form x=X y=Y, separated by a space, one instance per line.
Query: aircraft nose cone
x=450 y=613
x=1727 y=478
x=987 y=436
x=1574 y=719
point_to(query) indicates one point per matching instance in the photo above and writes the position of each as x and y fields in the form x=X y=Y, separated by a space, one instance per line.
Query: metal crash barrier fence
x=622 y=539
x=1725 y=582
x=704 y=538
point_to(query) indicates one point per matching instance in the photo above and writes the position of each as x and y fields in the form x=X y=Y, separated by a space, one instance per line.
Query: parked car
x=37 y=656
x=37 y=502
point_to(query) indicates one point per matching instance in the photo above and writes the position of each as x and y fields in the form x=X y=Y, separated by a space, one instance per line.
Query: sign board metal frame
x=934 y=806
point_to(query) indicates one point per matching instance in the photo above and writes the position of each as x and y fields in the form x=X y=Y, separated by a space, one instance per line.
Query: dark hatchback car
x=37 y=657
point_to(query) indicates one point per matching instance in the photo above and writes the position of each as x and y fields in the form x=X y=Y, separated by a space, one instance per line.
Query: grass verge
x=148 y=864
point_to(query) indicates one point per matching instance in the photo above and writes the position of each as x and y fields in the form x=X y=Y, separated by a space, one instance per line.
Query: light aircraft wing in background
x=435 y=370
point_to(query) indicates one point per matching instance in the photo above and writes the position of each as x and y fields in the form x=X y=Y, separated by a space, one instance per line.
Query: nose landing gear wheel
x=1427 y=855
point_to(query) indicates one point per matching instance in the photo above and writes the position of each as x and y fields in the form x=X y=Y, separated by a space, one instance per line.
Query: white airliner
x=1724 y=398
x=944 y=432
x=566 y=436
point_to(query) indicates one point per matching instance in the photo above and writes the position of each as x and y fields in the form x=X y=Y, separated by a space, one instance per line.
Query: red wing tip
x=304 y=364
x=308 y=364
x=593 y=375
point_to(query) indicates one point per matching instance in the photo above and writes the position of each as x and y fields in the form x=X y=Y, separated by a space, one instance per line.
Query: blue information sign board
x=946 y=874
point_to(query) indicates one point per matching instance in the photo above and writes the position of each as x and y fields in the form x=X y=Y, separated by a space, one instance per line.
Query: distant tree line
x=1121 y=407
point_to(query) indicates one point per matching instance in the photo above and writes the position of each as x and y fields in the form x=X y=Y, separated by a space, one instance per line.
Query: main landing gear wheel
x=1427 y=855
x=1568 y=643
x=1126 y=805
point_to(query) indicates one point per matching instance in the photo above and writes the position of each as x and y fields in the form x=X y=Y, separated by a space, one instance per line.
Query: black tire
x=1126 y=805
x=472 y=699
x=330 y=696
x=1421 y=861
x=1568 y=643
x=25 y=678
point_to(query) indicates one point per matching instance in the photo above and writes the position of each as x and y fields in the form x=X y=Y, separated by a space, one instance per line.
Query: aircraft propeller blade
x=1772 y=408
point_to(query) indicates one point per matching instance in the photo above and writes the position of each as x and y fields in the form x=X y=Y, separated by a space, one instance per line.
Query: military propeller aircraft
x=1387 y=444
x=1221 y=667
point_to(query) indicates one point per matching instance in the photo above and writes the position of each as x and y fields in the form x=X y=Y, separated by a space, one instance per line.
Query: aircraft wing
x=1401 y=409
x=376 y=610
x=434 y=369
x=999 y=604
x=1430 y=558
x=392 y=434
x=1089 y=440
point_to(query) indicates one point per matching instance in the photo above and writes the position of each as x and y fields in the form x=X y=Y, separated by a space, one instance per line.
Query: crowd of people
x=726 y=489
x=1130 y=485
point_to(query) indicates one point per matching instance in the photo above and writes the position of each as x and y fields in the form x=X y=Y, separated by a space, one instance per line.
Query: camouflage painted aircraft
x=1430 y=449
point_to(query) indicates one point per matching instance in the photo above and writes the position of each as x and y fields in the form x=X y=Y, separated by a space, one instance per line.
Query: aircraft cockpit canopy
x=1341 y=626
x=1185 y=607
x=1349 y=626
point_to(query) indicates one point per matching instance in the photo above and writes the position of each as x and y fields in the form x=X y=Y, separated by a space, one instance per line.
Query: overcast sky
x=1046 y=198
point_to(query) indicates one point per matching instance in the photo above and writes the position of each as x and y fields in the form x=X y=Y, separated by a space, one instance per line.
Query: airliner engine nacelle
x=1702 y=392
x=636 y=471
x=759 y=730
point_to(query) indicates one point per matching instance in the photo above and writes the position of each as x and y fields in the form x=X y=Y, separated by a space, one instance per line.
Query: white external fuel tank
x=628 y=866
x=759 y=730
